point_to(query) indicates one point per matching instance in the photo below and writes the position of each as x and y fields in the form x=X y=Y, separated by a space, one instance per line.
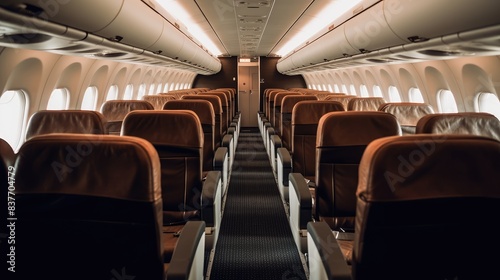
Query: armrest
x=188 y=256
x=209 y=198
x=275 y=144
x=301 y=190
x=221 y=163
x=326 y=260
x=285 y=163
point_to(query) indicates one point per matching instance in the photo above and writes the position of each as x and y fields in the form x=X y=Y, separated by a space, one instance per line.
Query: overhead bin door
x=427 y=19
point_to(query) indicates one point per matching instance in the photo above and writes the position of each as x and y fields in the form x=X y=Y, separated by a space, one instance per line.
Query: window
x=313 y=86
x=336 y=88
x=330 y=88
x=446 y=102
x=58 y=99
x=394 y=94
x=344 y=89
x=353 y=90
x=129 y=92
x=142 y=91
x=12 y=116
x=488 y=102
x=159 y=89
x=415 y=95
x=364 y=91
x=377 y=91
x=112 y=93
x=151 y=89
x=89 y=99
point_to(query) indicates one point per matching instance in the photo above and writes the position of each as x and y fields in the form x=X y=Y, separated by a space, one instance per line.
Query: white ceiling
x=248 y=28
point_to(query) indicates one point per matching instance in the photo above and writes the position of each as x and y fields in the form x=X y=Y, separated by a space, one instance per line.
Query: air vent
x=440 y=53
x=109 y=54
x=26 y=9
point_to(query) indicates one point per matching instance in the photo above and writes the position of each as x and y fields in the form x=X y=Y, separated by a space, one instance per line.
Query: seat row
x=330 y=195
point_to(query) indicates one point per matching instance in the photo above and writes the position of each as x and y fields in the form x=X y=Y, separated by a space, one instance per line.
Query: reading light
x=329 y=14
x=177 y=11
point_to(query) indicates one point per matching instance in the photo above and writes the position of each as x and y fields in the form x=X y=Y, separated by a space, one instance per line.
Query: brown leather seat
x=65 y=121
x=287 y=105
x=115 y=111
x=158 y=100
x=90 y=204
x=365 y=104
x=342 y=139
x=7 y=182
x=205 y=112
x=482 y=124
x=217 y=106
x=419 y=200
x=342 y=98
x=407 y=114
x=305 y=119
x=278 y=102
x=177 y=136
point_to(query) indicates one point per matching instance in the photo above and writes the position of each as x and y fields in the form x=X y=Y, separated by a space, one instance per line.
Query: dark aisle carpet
x=255 y=241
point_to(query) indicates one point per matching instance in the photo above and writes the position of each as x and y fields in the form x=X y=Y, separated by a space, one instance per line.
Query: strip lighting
x=329 y=14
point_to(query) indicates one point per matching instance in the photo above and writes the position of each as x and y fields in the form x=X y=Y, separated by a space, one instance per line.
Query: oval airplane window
x=112 y=93
x=488 y=102
x=159 y=89
x=58 y=99
x=151 y=89
x=129 y=92
x=344 y=89
x=330 y=88
x=89 y=99
x=142 y=91
x=394 y=95
x=12 y=115
x=446 y=102
x=377 y=91
x=353 y=90
x=364 y=91
x=415 y=95
x=336 y=88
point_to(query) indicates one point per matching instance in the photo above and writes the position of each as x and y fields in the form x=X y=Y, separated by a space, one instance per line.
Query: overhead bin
x=136 y=24
x=426 y=19
x=370 y=31
x=88 y=15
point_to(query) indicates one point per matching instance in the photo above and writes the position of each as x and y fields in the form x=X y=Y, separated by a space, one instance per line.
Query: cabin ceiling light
x=174 y=8
x=329 y=14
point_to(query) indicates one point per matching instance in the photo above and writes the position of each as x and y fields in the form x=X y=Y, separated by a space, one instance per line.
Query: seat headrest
x=94 y=165
x=278 y=98
x=65 y=121
x=203 y=109
x=116 y=110
x=309 y=112
x=407 y=113
x=179 y=128
x=158 y=100
x=7 y=154
x=221 y=95
x=482 y=124
x=365 y=103
x=289 y=102
x=353 y=128
x=429 y=166
x=215 y=100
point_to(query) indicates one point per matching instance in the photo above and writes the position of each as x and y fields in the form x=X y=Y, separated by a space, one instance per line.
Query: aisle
x=255 y=241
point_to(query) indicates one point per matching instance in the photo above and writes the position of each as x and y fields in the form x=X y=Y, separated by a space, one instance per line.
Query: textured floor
x=255 y=240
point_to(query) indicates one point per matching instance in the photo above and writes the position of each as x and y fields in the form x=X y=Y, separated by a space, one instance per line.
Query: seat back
x=217 y=106
x=7 y=169
x=278 y=99
x=407 y=114
x=417 y=198
x=287 y=105
x=158 y=100
x=115 y=111
x=341 y=140
x=91 y=204
x=65 y=121
x=225 y=117
x=482 y=124
x=305 y=119
x=205 y=112
x=365 y=104
x=344 y=99
x=178 y=138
